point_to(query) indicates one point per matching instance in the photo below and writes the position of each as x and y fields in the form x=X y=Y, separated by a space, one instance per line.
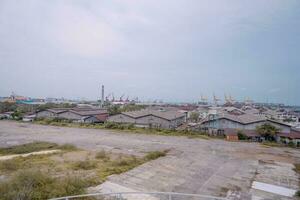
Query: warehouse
x=151 y=118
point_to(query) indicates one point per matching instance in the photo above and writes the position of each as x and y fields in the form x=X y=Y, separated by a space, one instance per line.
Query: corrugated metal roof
x=169 y=115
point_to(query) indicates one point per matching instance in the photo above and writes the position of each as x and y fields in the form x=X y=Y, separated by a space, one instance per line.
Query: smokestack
x=102 y=97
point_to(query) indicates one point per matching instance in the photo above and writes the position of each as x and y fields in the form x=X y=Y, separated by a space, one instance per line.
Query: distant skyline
x=167 y=50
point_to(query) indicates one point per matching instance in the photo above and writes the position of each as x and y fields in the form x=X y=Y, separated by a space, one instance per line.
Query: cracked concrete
x=209 y=167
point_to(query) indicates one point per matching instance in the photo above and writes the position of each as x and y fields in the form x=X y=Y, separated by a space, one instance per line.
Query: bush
x=35 y=185
x=298 y=193
x=291 y=144
x=241 y=135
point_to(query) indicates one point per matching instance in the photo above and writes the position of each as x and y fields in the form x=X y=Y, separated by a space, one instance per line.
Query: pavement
x=209 y=167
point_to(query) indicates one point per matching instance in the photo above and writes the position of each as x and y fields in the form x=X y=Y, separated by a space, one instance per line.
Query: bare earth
x=210 y=167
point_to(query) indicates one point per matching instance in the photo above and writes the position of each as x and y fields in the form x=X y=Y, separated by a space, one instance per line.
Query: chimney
x=102 y=97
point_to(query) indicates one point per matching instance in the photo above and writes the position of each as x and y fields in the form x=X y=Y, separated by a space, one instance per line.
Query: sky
x=168 y=50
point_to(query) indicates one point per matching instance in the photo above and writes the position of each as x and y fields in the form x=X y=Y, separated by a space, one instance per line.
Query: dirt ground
x=210 y=167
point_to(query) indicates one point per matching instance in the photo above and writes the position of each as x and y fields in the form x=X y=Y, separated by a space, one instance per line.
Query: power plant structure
x=102 y=97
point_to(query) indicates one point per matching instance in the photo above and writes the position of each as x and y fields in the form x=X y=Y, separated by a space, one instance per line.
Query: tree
x=194 y=116
x=241 y=135
x=268 y=131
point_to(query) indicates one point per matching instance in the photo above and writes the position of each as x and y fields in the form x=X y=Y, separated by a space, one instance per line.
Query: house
x=151 y=118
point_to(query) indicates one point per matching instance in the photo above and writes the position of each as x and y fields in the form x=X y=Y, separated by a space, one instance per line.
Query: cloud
x=76 y=31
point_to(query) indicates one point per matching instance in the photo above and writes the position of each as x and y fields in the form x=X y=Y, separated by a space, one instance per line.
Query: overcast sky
x=164 y=49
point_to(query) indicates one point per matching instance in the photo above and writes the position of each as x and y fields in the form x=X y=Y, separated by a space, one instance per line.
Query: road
x=210 y=167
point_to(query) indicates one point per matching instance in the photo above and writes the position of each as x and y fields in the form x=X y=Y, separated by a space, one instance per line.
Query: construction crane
x=121 y=97
x=231 y=99
x=203 y=98
x=248 y=100
x=107 y=97
x=216 y=99
x=226 y=98
x=113 y=97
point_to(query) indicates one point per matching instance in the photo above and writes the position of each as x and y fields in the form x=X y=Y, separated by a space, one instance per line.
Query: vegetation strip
x=35 y=146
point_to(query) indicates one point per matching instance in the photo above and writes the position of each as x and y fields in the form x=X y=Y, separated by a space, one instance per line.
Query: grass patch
x=155 y=154
x=28 y=148
x=66 y=173
x=102 y=155
x=36 y=185
x=10 y=165
x=24 y=163
x=68 y=147
x=84 y=165
x=35 y=146
x=128 y=128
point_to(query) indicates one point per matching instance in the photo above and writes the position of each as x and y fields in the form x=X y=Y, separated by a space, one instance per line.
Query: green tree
x=268 y=131
x=194 y=116
x=241 y=135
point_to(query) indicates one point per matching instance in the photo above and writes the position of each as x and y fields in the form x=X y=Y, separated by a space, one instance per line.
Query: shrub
x=298 y=193
x=241 y=135
x=291 y=144
x=27 y=185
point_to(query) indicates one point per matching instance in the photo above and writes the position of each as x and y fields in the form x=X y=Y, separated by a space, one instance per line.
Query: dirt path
x=210 y=167
x=8 y=157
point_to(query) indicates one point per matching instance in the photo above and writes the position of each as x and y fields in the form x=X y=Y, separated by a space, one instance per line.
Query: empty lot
x=211 y=167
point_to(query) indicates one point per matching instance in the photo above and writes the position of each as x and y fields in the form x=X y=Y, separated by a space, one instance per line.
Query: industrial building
x=85 y=115
x=151 y=118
